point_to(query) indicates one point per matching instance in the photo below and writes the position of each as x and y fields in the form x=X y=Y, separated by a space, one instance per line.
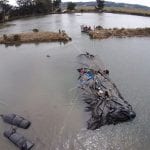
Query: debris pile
x=85 y=28
x=104 y=101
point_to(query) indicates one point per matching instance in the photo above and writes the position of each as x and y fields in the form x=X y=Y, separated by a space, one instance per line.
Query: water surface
x=44 y=89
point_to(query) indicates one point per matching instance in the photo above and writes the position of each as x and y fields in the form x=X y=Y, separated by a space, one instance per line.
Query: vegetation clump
x=5 y=37
x=35 y=30
x=100 y=5
x=16 y=37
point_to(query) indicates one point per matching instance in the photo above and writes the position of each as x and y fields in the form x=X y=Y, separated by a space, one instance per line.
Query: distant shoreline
x=115 y=10
x=90 y=9
x=137 y=12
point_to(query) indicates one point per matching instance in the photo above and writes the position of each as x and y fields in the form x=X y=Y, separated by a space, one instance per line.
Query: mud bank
x=120 y=33
x=34 y=37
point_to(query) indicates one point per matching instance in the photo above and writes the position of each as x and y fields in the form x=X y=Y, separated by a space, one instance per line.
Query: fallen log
x=103 y=99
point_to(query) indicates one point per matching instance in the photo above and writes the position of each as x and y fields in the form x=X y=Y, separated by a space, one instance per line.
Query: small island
x=103 y=33
x=35 y=37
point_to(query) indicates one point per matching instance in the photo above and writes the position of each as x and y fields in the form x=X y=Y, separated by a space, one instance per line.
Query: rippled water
x=44 y=89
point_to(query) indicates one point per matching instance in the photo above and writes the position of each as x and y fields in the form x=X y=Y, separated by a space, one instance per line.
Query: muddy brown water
x=43 y=89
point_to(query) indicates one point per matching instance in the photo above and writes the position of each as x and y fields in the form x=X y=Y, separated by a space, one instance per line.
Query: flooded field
x=43 y=89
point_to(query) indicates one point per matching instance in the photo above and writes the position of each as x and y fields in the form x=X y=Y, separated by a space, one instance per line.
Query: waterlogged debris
x=34 y=37
x=103 y=99
x=85 y=28
x=16 y=120
x=18 y=139
x=101 y=33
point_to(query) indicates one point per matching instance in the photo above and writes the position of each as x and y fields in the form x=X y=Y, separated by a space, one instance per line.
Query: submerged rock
x=103 y=99
x=34 y=37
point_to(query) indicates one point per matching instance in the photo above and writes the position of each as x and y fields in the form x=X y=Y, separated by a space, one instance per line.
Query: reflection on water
x=44 y=89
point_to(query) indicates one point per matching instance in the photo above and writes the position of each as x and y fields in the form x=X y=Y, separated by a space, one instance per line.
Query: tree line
x=28 y=7
x=33 y=7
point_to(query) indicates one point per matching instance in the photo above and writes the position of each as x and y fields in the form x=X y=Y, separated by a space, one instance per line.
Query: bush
x=5 y=37
x=16 y=37
x=35 y=30
x=71 y=6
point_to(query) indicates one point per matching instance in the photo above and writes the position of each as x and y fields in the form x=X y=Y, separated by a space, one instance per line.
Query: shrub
x=16 y=37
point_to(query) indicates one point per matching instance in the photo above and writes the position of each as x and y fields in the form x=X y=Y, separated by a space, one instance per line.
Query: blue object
x=89 y=75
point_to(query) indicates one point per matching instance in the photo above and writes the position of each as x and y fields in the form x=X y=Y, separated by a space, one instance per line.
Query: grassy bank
x=34 y=37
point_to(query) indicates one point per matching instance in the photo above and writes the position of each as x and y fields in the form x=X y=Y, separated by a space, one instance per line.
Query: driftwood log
x=103 y=99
